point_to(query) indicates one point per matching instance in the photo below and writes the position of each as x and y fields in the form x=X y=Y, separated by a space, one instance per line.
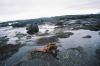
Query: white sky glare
x=27 y=9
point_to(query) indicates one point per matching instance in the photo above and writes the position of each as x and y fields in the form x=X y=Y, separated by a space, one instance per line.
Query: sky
x=29 y=9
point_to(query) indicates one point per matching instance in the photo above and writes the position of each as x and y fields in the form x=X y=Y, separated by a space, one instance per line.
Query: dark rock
x=3 y=40
x=46 y=40
x=8 y=50
x=87 y=36
x=64 y=34
x=98 y=56
x=32 y=28
x=60 y=24
x=18 y=25
x=99 y=33
x=98 y=53
x=3 y=24
x=92 y=27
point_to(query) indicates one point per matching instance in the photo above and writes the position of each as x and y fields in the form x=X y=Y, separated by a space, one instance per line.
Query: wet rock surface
x=98 y=56
x=99 y=33
x=87 y=36
x=32 y=28
x=60 y=24
x=42 y=55
x=84 y=26
x=16 y=25
x=39 y=62
x=46 y=40
x=64 y=34
x=98 y=53
x=8 y=50
x=3 y=40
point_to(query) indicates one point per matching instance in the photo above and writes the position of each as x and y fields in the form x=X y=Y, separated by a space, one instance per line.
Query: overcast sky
x=27 y=9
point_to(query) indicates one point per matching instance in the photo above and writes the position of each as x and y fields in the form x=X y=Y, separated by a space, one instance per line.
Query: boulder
x=32 y=28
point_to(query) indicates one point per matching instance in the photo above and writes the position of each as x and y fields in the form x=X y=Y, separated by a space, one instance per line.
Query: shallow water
x=77 y=40
x=89 y=44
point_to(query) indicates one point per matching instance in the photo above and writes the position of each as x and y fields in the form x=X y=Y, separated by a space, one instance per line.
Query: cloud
x=24 y=9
